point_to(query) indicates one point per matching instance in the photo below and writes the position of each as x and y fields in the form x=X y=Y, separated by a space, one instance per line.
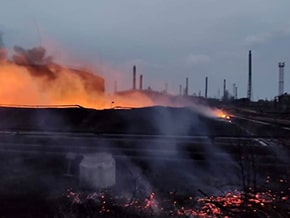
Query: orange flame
x=221 y=114
x=58 y=85
x=49 y=84
x=32 y=79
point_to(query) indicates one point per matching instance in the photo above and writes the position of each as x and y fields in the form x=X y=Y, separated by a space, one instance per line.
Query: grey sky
x=168 y=40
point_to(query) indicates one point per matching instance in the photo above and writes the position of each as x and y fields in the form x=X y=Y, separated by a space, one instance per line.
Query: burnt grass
x=148 y=121
x=33 y=186
x=37 y=185
x=52 y=194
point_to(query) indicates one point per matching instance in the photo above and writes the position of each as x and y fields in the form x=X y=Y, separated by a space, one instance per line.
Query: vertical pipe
x=234 y=90
x=141 y=82
x=224 y=96
x=250 y=76
x=134 y=77
x=206 y=83
x=186 y=86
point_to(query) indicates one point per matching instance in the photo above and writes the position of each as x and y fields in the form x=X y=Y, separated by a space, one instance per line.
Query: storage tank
x=97 y=171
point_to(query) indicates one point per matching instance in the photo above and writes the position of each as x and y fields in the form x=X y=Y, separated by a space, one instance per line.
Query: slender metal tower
x=141 y=82
x=206 y=83
x=250 y=76
x=134 y=77
x=281 y=77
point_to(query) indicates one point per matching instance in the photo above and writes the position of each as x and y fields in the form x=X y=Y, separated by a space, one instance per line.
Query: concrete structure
x=97 y=171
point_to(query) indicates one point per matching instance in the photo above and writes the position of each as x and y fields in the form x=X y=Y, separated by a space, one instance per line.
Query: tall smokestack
x=180 y=89
x=281 y=77
x=141 y=82
x=134 y=77
x=224 y=96
x=206 y=83
x=234 y=90
x=250 y=76
x=186 y=87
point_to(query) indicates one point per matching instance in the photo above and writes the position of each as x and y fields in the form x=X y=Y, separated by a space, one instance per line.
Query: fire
x=221 y=114
x=54 y=84
x=33 y=79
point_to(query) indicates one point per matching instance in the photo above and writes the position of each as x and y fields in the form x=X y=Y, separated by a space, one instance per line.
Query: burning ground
x=169 y=162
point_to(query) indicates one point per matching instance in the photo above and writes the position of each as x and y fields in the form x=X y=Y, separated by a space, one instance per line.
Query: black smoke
x=35 y=56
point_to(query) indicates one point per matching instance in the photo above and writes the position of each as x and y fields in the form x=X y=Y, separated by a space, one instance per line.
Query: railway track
x=143 y=147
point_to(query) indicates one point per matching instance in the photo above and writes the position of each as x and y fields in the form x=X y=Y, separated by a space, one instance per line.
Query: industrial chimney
x=134 y=77
x=186 y=87
x=281 y=77
x=205 y=92
x=224 y=96
x=141 y=82
x=234 y=90
x=250 y=76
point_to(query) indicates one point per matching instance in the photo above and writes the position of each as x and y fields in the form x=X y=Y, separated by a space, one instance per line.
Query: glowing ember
x=228 y=205
x=221 y=114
